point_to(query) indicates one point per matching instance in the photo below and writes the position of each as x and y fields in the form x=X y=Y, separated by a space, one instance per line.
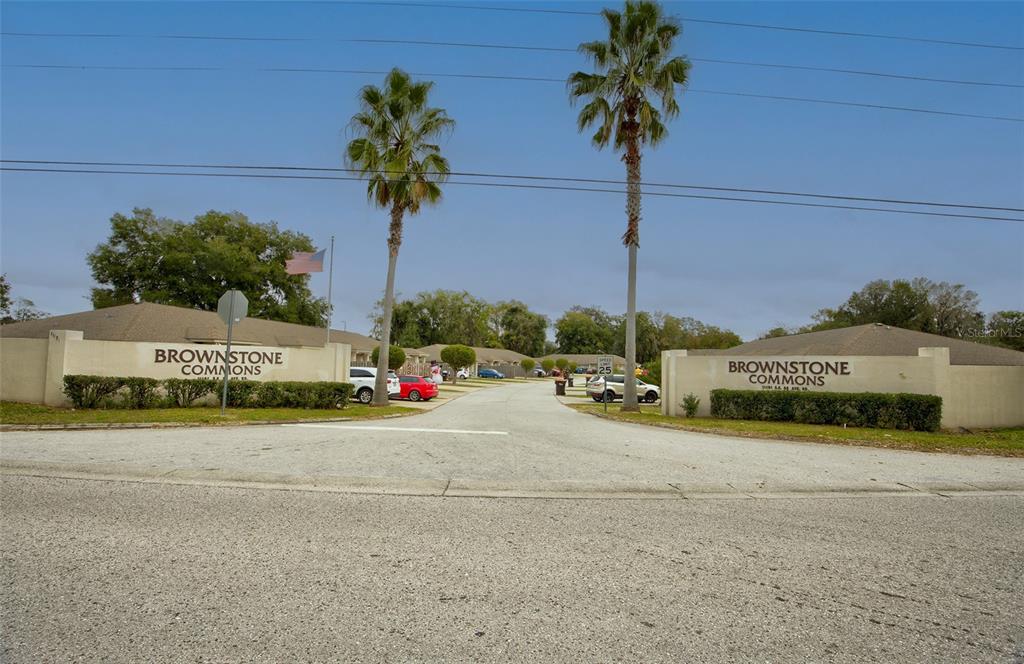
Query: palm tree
x=395 y=151
x=633 y=66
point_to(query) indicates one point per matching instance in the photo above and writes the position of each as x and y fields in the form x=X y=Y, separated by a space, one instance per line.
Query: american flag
x=304 y=262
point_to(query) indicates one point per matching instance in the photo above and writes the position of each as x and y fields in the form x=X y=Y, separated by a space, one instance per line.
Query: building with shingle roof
x=875 y=340
x=162 y=323
x=981 y=386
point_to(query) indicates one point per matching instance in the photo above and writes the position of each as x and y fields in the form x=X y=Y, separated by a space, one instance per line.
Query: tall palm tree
x=634 y=66
x=396 y=152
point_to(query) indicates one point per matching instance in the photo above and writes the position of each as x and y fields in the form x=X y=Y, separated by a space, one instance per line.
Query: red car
x=416 y=388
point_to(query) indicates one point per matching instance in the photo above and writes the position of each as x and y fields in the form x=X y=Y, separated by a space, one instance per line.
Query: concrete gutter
x=92 y=426
x=485 y=488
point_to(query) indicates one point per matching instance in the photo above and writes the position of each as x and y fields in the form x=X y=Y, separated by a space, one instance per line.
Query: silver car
x=614 y=387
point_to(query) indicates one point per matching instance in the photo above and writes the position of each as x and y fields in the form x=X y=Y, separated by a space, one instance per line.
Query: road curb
x=481 y=488
x=104 y=426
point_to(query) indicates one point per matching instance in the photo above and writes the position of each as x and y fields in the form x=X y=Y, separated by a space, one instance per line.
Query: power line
x=541 y=79
x=518 y=176
x=736 y=24
x=512 y=47
x=518 y=186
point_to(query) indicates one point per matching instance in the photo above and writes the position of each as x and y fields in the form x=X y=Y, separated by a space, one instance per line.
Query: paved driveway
x=513 y=437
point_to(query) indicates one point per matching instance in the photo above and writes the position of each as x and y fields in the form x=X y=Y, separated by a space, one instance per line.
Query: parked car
x=416 y=388
x=539 y=373
x=364 y=378
x=462 y=373
x=484 y=372
x=615 y=387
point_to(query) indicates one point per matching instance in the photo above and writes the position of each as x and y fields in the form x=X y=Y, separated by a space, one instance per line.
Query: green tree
x=1006 y=328
x=5 y=297
x=396 y=152
x=458 y=357
x=16 y=309
x=151 y=259
x=528 y=364
x=437 y=317
x=547 y=365
x=396 y=357
x=577 y=332
x=776 y=332
x=647 y=338
x=918 y=304
x=562 y=364
x=517 y=328
x=634 y=66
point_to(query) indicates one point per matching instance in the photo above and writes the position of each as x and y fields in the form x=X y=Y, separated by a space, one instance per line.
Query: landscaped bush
x=97 y=391
x=141 y=393
x=296 y=394
x=183 y=392
x=691 y=402
x=241 y=393
x=918 y=412
x=89 y=391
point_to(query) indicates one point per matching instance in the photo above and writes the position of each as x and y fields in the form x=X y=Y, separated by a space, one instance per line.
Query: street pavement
x=130 y=572
x=254 y=544
x=506 y=441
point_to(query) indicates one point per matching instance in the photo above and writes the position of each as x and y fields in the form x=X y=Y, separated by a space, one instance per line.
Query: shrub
x=653 y=372
x=297 y=394
x=240 y=392
x=141 y=392
x=562 y=364
x=690 y=405
x=183 y=392
x=89 y=391
x=457 y=357
x=396 y=357
x=528 y=365
x=547 y=365
x=918 y=412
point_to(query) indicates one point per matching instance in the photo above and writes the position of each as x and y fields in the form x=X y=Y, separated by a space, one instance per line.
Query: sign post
x=232 y=308
x=604 y=369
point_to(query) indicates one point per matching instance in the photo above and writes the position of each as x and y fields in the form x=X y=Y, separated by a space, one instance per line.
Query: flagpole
x=330 y=287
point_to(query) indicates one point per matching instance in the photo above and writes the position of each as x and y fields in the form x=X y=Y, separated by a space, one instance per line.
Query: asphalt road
x=515 y=438
x=128 y=572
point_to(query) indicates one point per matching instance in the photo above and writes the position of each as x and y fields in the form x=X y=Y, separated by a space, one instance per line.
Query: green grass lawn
x=1001 y=442
x=24 y=413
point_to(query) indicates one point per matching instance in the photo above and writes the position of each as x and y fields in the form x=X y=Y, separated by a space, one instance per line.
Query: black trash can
x=570 y=381
x=560 y=388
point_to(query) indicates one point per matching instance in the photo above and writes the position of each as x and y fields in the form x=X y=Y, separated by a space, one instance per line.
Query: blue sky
x=746 y=267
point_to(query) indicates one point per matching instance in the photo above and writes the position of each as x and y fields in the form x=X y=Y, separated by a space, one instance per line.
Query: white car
x=364 y=378
x=614 y=386
x=462 y=373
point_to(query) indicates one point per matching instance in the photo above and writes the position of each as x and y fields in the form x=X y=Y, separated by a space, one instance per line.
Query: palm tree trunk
x=380 y=385
x=631 y=239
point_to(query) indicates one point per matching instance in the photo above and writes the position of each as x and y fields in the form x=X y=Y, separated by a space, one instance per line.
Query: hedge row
x=108 y=391
x=918 y=412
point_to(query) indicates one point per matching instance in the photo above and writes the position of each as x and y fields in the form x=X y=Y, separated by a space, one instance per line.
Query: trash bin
x=570 y=381
x=560 y=388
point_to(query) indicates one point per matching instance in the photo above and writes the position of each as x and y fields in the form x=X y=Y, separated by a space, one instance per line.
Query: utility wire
x=758 y=26
x=512 y=47
x=519 y=186
x=810 y=100
x=516 y=176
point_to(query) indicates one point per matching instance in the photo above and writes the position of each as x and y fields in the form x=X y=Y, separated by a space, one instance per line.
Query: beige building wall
x=33 y=370
x=986 y=396
x=23 y=370
x=972 y=396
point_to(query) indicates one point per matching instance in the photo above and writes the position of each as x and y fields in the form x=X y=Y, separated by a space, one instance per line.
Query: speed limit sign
x=604 y=365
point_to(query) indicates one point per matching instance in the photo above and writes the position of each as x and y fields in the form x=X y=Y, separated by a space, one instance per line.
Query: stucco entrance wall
x=972 y=396
x=33 y=370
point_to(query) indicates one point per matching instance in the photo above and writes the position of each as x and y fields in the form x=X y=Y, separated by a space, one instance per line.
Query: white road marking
x=412 y=429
